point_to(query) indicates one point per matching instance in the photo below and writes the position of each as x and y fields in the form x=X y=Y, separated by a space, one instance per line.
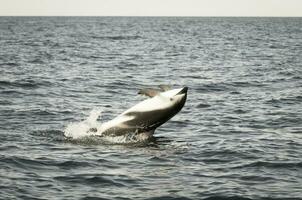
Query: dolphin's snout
x=183 y=90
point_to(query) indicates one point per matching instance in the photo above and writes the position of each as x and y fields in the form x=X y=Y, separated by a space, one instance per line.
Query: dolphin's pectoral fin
x=165 y=87
x=149 y=92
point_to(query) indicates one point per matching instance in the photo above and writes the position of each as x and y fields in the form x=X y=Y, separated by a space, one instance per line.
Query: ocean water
x=239 y=136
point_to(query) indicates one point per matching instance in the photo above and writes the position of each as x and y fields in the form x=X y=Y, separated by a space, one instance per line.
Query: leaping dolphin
x=143 y=118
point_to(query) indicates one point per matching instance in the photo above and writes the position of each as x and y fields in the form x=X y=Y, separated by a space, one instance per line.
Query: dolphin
x=143 y=118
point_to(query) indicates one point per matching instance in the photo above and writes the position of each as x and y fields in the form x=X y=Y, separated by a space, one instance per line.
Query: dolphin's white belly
x=146 y=116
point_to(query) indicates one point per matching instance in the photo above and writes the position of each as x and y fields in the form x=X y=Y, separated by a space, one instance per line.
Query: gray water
x=239 y=135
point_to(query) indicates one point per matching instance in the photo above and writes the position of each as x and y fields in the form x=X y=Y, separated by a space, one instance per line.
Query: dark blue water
x=239 y=135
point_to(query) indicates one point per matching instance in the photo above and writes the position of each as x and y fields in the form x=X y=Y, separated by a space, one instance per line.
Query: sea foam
x=81 y=129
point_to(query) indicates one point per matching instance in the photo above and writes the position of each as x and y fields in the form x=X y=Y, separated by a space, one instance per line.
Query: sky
x=288 y=8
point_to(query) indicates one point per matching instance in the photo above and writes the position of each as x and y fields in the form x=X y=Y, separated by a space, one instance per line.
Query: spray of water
x=81 y=132
x=81 y=129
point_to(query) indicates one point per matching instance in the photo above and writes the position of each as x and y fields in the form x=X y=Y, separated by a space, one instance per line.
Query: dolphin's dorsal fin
x=165 y=87
x=149 y=92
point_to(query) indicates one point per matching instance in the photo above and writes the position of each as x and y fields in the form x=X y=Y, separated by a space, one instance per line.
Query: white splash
x=81 y=129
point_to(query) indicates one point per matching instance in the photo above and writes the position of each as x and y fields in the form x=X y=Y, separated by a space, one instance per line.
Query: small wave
x=54 y=135
x=117 y=37
x=296 y=77
x=240 y=111
x=227 y=198
x=42 y=112
x=6 y=102
x=169 y=198
x=203 y=105
x=219 y=87
x=11 y=64
x=94 y=198
x=23 y=162
x=9 y=147
x=246 y=84
x=24 y=83
x=37 y=61
x=35 y=112
x=257 y=178
x=287 y=100
x=235 y=92
x=89 y=180
x=70 y=164
x=213 y=87
x=275 y=165
x=190 y=76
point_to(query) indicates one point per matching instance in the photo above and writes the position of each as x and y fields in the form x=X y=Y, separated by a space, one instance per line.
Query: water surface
x=238 y=136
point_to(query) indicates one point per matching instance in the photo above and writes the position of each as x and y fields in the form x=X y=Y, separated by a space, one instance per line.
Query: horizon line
x=192 y=16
